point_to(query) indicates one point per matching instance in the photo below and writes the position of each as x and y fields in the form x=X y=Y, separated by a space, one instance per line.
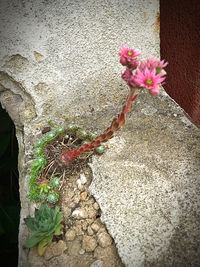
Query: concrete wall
x=60 y=59
x=66 y=51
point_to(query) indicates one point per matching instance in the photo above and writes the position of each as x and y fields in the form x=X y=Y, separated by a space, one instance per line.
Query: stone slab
x=147 y=185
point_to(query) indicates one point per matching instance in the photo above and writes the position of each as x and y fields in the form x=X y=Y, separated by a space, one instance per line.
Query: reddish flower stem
x=67 y=156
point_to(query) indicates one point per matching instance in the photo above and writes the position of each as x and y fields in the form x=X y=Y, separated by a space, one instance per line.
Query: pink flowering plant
x=138 y=75
x=60 y=147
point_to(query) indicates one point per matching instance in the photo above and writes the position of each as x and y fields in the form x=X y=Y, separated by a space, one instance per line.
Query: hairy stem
x=67 y=156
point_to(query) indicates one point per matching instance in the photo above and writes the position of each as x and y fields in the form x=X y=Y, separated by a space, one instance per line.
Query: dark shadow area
x=9 y=191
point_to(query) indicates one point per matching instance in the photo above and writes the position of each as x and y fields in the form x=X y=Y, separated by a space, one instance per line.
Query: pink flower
x=128 y=53
x=153 y=63
x=149 y=79
x=128 y=77
x=128 y=57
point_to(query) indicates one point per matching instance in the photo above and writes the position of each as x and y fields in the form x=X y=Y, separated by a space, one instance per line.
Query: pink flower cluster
x=128 y=57
x=149 y=74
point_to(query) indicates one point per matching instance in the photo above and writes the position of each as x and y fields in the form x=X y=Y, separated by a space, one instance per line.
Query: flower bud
x=123 y=60
x=155 y=91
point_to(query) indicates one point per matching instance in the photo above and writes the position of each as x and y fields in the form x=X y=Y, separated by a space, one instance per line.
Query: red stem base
x=67 y=156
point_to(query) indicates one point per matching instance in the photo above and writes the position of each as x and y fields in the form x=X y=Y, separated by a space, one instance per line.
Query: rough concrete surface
x=58 y=61
x=147 y=185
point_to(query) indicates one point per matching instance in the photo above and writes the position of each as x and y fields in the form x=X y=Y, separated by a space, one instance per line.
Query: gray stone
x=97 y=263
x=147 y=185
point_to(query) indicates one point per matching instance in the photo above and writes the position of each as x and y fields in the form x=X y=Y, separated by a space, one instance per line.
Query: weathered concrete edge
x=178 y=114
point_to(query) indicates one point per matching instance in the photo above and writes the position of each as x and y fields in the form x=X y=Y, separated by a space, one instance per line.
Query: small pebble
x=96 y=206
x=89 y=243
x=78 y=181
x=70 y=235
x=81 y=251
x=95 y=227
x=78 y=230
x=90 y=231
x=104 y=240
x=83 y=196
x=80 y=187
x=83 y=178
x=78 y=214
x=97 y=263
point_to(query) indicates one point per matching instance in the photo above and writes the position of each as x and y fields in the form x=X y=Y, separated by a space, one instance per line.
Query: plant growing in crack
x=148 y=74
x=60 y=147
x=67 y=145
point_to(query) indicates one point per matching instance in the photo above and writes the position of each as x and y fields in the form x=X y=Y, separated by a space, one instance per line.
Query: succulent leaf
x=100 y=150
x=42 y=197
x=31 y=224
x=72 y=127
x=38 y=151
x=33 y=240
x=55 y=182
x=53 y=197
x=40 y=143
x=60 y=130
x=82 y=134
x=38 y=165
x=43 y=244
x=45 y=224
x=50 y=136
x=58 y=230
x=85 y=142
x=92 y=136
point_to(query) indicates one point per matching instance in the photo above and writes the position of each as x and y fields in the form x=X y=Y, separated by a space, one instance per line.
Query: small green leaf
x=82 y=134
x=85 y=142
x=55 y=182
x=58 y=230
x=38 y=151
x=72 y=127
x=60 y=130
x=43 y=244
x=92 y=136
x=53 y=197
x=100 y=150
x=50 y=136
x=40 y=143
x=33 y=240
x=31 y=223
